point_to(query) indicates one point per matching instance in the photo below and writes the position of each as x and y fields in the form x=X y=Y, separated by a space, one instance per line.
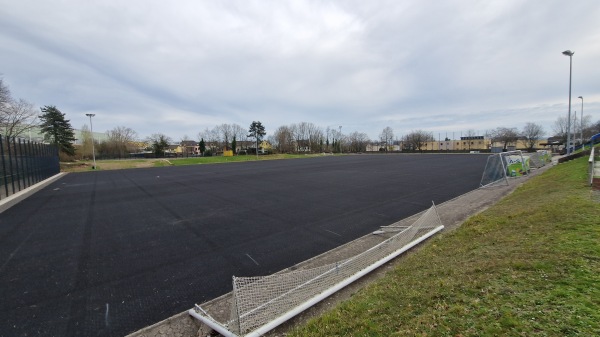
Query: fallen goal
x=259 y=304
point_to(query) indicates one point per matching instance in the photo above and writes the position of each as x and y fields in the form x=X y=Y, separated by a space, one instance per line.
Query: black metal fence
x=24 y=163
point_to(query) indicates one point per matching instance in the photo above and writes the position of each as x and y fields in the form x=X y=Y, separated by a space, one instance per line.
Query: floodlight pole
x=581 y=123
x=92 y=132
x=340 y=137
x=570 y=55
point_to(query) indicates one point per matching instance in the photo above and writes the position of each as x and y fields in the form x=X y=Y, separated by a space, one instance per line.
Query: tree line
x=18 y=116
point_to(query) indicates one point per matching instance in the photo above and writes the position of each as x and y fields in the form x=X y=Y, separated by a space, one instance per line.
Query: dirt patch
x=84 y=166
x=125 y=164
x=74 y=166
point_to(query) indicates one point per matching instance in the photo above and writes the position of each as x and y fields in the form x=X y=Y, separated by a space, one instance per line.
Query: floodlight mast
x=581 y=122
x=92 y=132
x=570 y=55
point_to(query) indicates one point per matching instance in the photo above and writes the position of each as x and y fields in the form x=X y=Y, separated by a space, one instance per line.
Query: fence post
x=37 y=161
x=3 y=165
x=23 y=166
x=30 y=168
x=10 y=164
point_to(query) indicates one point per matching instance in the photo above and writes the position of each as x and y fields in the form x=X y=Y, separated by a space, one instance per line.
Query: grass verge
x=528 y=266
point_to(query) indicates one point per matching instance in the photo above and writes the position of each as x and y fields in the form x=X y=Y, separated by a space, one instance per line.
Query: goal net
x=261 y=303
x=500 y=166
x=540 y=158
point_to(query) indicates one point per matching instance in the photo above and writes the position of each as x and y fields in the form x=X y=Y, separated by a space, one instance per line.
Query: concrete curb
x=16 y=198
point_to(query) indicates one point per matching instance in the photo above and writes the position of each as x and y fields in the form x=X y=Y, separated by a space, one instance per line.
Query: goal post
x=500 y=166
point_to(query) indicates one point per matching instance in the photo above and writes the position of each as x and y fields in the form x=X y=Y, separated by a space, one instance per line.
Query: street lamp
x=340 y=138
x=570 y=55
x=581 y=122
x=92 y=132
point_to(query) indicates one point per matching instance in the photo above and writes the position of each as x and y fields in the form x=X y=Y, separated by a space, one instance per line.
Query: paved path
x=106 y=253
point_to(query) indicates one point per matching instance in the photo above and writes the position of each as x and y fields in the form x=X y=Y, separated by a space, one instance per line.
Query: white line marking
x=332 y=232
x=106 y=315
x=252 y=259
x=15 y=251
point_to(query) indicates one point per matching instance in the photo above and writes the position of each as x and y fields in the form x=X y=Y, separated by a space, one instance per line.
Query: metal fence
x=24 y=163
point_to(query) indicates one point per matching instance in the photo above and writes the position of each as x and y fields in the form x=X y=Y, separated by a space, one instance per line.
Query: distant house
x=187 y=148
x=171 y=150
x=303 y=145
x=379 y=147
x=265 y=146
x=554 y=143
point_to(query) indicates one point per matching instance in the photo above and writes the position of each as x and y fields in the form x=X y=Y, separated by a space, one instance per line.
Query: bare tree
x=240 y=134
x=505 y=136
x=5 y=97
x=387 y=137
x=358 y=141
x=592 y=129
x=86 y=142
x=119 y=142
x=340 y=140
x=227 y=134
x=315 y=137
x=532 y=133
x=584 y=125
x=415 y=140
x=301 y=136
x=560 y=128
x=17 y=117
x=284 y=138
x=211 y=138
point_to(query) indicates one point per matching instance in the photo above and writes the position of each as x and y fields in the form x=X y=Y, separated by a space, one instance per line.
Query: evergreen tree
x=233 y=144
x=159 y=144
x=256 y=131
x=57 y=129
x=202 y=146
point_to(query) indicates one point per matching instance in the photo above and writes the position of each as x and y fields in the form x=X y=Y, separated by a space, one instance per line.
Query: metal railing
x=591 y=166
x=24 y=163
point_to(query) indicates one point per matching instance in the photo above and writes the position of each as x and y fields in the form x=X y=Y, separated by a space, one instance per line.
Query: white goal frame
x=259 y=304
x=496 y=168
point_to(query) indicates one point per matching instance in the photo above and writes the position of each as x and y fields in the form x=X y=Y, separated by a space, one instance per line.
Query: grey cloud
x=364 y=65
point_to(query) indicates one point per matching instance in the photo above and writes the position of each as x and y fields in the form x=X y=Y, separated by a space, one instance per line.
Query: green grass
x=528 y=266
x=86 y=165
x=242 y=158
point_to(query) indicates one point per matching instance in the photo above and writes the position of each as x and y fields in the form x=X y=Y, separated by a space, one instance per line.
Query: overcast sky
x=180 y=67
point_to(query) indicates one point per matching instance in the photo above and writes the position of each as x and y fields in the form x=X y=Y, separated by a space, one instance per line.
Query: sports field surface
x=106 y=253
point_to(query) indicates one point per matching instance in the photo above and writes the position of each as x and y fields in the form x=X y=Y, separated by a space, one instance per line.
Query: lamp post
x=339 y=140
x=92 y=132
x=570 y=55
x=581 y=122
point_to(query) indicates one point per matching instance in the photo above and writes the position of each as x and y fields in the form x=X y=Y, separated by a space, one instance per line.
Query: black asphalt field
x=106 y=253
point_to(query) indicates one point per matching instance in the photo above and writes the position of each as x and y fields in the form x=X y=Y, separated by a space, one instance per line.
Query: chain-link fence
x=24 y=163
